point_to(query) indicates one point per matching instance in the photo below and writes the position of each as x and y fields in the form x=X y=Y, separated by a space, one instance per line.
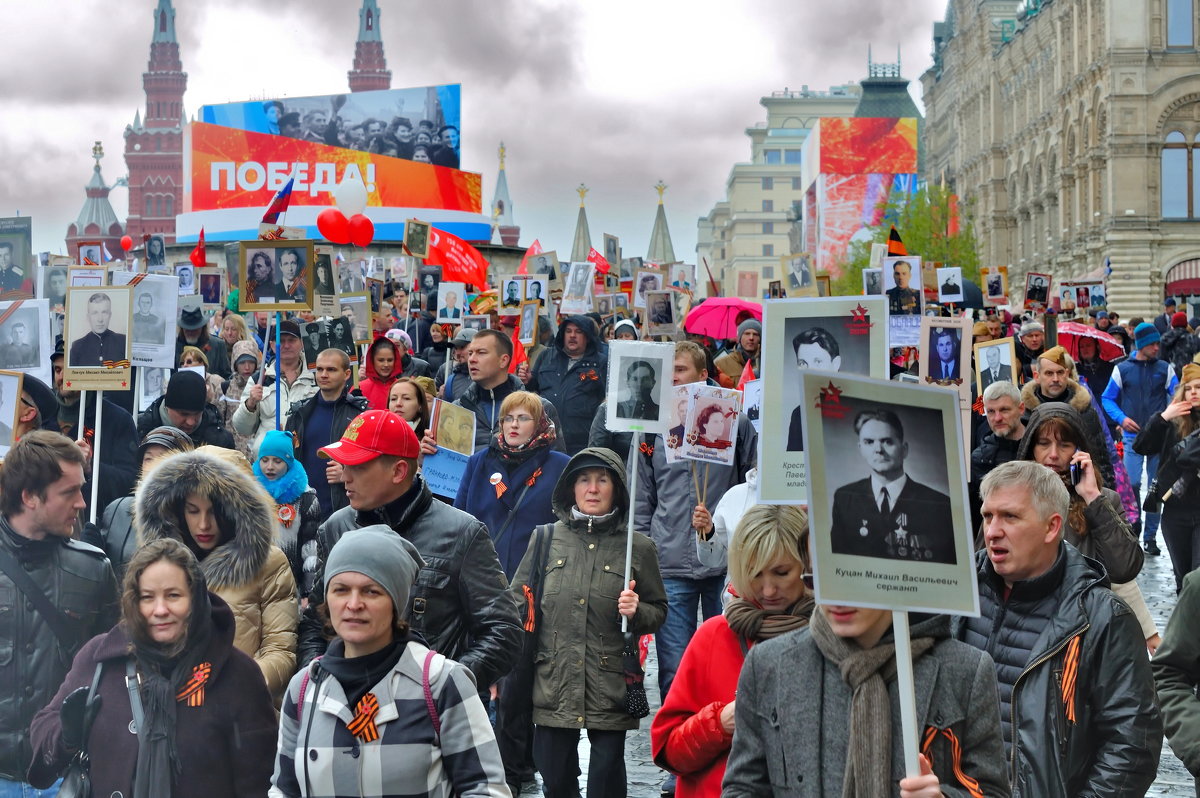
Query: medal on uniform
x=497 y=482
x=862 y=530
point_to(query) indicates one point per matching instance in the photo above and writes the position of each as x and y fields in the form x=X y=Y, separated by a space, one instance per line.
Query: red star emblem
x=859 y=313
x=831 y=393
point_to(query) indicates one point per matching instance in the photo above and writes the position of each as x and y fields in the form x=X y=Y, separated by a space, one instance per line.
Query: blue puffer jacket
x=1137 y=389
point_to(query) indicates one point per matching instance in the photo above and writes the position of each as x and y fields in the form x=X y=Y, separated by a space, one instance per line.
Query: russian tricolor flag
x=279 y=203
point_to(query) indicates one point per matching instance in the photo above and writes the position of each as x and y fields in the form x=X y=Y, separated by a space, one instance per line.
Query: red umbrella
x=718 y=317
x=1069 y=333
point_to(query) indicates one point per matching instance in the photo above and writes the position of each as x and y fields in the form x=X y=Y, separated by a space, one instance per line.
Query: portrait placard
x=872 y=282
x=52 y=285
x=747 y=284
x=577 y=295
x=314 y=335
x=98 y=344
x=775 y=289
x=155 y=307
x=351 y=276
x=26 y=339
x=152 y=383
x=85 y=277
x=612 y=249
x=950 y=285
x=356 y=308
x=679 y=405
x=375 y=291
x=823 y=285
x=660 y=313
x=527 y=329
x=800 y=274
x=752 y=395
x=473 y=322
x=604 y=304
x=536 y=289
x=1082 y=294
x=710 y=431
x=995 y=286
x=210 y=285
x=275 y=275
x=91 y=253
x=511 y=295
x=156 y=252
x=341 y=328
x=846 y=334
x=17 y=264
x=453 y=427
x=888 y=510
x=10 y=408
x=995 y=361
x=324 y=283
x=1037 y=290
x=451 y=304
x=416 y=238
x=185 y=274
x=639 y=383
x=902 y=287
x=644 y=281
x=629 y=266
x=946 y=355
x=545 y=264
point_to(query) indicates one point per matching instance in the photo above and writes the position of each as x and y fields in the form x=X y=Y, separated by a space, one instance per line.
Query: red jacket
x=371 y=386
x=686 y=736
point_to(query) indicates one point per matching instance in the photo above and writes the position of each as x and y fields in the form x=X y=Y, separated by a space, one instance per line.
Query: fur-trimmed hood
x=1081 y=400
x=244 y=513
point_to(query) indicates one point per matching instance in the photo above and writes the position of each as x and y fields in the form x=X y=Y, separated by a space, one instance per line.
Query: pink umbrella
x=1069 y=333
x=718 y=317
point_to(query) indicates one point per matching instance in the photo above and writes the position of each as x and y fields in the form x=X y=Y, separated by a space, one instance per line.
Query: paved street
x=1158 y=585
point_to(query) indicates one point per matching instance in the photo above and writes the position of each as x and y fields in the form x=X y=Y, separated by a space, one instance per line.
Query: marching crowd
x=274 y=602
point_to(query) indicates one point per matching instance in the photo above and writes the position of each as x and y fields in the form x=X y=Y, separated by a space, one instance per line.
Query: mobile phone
x=1076 y=473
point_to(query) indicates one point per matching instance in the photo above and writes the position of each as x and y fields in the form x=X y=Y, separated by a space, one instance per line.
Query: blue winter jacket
x=1138 y=389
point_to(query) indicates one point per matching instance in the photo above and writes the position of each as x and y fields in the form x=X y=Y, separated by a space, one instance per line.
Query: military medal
x=862 y=530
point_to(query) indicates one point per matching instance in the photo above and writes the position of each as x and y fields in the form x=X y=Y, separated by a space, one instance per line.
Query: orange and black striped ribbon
x=363 y=725
x=116 y=364
x=1070 y=676
x=533 y=478
x=193 y=691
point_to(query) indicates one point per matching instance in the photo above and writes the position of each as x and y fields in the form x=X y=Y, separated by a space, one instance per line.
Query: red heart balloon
x=126 y=243
x=333 y=225
x=362 y=230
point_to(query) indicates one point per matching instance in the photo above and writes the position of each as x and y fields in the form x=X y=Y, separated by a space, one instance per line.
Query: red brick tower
x=370 y=71
x=154 y=149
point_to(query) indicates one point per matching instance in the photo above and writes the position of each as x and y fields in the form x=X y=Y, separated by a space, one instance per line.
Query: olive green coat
x=578 y=678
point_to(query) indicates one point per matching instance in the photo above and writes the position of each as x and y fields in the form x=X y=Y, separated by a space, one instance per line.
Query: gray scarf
x=867 y=672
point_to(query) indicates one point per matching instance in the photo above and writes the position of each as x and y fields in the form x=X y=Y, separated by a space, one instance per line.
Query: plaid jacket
x=318 y=757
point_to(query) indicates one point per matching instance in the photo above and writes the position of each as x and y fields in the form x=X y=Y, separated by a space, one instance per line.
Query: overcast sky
x=615 y=94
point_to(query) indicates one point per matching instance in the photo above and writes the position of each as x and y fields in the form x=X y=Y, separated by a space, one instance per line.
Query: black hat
x=289 y=327
x=185 y=392
x=59 y=348
x=192 y=319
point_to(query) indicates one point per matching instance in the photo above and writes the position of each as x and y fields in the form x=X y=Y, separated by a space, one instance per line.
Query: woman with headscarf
x=203 y=725
x=768 y=563
x=380 y=369
x=578 y=680
x=817 y=713
x=116 y=534
x=1172 y=436
x=380 y=713
x=245 y=360
x=208 y=499
x=1095 y=523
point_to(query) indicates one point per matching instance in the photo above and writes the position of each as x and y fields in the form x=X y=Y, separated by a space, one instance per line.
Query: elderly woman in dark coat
x=208 y=726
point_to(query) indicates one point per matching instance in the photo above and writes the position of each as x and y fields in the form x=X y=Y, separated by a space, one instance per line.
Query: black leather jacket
x=460 y=602
x=344 y=411
x=1113 y=745
x=78 y=581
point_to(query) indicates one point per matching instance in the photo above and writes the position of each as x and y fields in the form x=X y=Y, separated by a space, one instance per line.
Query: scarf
x=867 y=672
x=287 y=488
x=162 y=678
x=357 y=675
x=543 y=438
x=754 y=624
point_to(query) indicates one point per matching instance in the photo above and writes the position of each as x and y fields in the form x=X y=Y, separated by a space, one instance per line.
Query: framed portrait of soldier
x=324 y=288
x=612 y=249
x=185 y=273
x=98 y=343
x=375 y=291
x=314 y=335
x=644 y=281
x=454 y=427
x=545 y=264
x=537 y=289
x=416 y=238
x=888 y=502
x=1037 y=290
x=946 y=355
x=511 y=296
x=356 y=309
x=210 y=285
x=52 y=285
x=872 y=282
x=155 y=306
x=276 y=275
x=477 y=322
x=527 y=329
x=577 y=295
x=91 y=253
x=85 y=277
x=995 y=285
x=831 y=334
x=10 y=408
x=950 y=285
x=341 y=330
x=640 y=376
x=151 y=384
x=995 y=361
x=25 y=337
x=660 y=313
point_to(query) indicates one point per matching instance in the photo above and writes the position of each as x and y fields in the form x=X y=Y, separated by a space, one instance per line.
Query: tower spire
x=164 y=23
x=370 y=72
x=502 y=218
x=661 y=250
x=583 y=236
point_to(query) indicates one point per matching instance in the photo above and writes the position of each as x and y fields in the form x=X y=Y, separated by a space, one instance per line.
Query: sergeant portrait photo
x=512 y=294
x=323 y=282
x=641 y=378
x=872 y=282
x=97 y=327
x=902 y=285
x=19 y=344
x=54 y=286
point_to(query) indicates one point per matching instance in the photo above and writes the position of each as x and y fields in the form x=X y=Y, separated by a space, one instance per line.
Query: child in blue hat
x=297 y=511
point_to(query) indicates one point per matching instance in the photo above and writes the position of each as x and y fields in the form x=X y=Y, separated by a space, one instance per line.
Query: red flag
x=895 y=245
x=460 y=261
x=534 y=249
x=519 y=354
x=198 y=257
x=595 y=257
x=952 y=226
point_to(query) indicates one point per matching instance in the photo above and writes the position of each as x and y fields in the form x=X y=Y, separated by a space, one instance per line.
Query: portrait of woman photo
x=323 y=278
x=156 y=251
x=712 y=426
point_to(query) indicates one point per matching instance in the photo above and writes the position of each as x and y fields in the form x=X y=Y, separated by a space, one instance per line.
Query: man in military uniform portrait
x=888 y=514
x=18 y=352
x=148 y=326
x=99 y=343
x=902 y=300
x=640 y=378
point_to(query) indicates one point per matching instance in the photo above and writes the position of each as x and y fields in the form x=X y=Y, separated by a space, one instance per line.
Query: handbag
x=77 y=778
x=519 y=682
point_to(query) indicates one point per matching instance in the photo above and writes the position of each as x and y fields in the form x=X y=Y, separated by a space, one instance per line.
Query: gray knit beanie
x=748 y=324
x=381 y=554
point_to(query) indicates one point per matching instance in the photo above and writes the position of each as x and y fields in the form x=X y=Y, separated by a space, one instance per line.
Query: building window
x=791 y=156
x=768 y=183
x=769 y=228
x=768 y=250
x=796 y=184
x=1179 y=23
x=1177 y=193
x=771 y=156
x=768 y=205
x=149 y=205
x=170 y=201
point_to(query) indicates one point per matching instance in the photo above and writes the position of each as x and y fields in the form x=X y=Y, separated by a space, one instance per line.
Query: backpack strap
x=304 y=680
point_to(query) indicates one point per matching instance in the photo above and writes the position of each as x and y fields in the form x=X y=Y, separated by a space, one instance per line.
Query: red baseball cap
x=371 y=434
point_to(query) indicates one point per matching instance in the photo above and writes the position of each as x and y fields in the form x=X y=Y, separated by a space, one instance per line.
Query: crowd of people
x=274 y=601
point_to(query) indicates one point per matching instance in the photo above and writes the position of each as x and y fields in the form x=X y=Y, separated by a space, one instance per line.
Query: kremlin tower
x=370 y=71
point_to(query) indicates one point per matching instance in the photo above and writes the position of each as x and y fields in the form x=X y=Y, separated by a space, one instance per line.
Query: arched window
x=1179 y=23
x=162 y=22
x=1176 y=180
x=170 y=203
x=149 y=205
